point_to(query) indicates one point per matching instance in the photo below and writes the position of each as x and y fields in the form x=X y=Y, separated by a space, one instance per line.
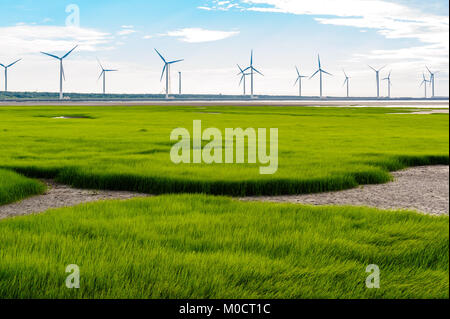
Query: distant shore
x=245 y=102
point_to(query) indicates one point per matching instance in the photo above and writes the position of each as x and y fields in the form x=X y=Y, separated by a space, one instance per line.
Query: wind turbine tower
x=377 y=72
x=252 y=72
x=299 y=80
x=432 y=79
x=243 y=78
x=347 y=81
x=179 y=83
x=6 y=72
x=61 y=69
x=166 y=69
x=103 y=73
x=389 y=83
x=320 y=71
x=424 y=83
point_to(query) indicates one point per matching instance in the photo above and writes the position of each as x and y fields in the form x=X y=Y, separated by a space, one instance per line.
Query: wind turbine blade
x=318 y=58
x=382 y=68
x=240 y=69
x=2 y=65
x=257 y=71
x=314 y=74
x=326 y=72
x=251 y=58
x=176 y=61
x=101 y=73
x=296 y=81
x=51 y=55
x=242 y=78
x=164 y=69
x=67 y=54
x=431 y=73
x=372 y=68
x=13 y=63
x=99 y=63
x=161 y=56
x=298 y=73
x=345 y=74
x=345 y=82
x=248 y=68
x=111 y=70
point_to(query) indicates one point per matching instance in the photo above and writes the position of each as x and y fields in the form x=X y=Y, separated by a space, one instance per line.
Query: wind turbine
x=166 y=69
x=299 y=80
x=388 y=79
x=377 y=72
x=432 y=77
x=244 y=75
x=320 y=71
x=6 y=72
x=61 y=69
x=252 y=70
x=103 y=73
x=347 y=81
x=424 y=83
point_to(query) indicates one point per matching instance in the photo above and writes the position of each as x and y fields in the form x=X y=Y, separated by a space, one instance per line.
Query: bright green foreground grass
x=14 y=187
x=197 y=246
x=128 y=148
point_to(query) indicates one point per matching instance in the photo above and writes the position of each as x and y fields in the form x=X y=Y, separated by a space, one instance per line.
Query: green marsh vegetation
x=198 y=246
x=14 y=187
x=128 y=148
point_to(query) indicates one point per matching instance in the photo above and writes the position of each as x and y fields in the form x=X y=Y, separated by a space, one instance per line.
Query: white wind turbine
x=389 y=83
x=377 y=72
x=61 y=69
x=299 y=80
x=252 y=72
x=103 y=73
x=243 y=78
x=166 y=69
x=432 y=79
x=424 y=83
x=6 y=72
x=320 y=71
x=347 y=81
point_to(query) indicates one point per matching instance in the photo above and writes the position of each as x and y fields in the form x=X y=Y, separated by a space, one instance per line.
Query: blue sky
x=213 y=36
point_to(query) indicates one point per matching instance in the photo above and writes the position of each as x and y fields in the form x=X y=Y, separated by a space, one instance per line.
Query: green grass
x=14 y=187
x=198 y=246
x=127 y=148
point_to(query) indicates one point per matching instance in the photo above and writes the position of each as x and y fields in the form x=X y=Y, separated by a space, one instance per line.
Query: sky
x=213 y=36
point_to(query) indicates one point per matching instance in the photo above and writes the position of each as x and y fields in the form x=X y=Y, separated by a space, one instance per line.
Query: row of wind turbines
x=243 y=72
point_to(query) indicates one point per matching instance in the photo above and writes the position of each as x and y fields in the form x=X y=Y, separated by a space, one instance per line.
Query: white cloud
x=25 y=39
x=125 y=32
x=198 y=35
x=392 y=20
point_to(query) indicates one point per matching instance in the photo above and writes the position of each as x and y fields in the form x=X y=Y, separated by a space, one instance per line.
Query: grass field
x=127 y=148
x=197 y=246
x=14 y=187
x=201 y=246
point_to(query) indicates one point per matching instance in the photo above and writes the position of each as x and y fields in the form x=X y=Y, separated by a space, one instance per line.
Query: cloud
x=24 y=39
x=198 y=35
x=125 y=32
x=392 y=20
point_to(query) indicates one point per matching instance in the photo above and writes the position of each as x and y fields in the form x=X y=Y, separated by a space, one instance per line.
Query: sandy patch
x=59 y=195
x=424 y=189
